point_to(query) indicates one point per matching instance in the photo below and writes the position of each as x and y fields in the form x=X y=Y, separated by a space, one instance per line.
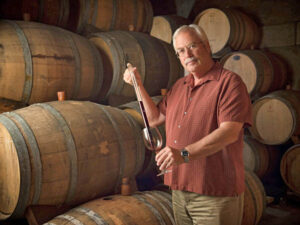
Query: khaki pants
x=191 y=208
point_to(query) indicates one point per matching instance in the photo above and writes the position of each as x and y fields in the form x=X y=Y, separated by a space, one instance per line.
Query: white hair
x=193 y=28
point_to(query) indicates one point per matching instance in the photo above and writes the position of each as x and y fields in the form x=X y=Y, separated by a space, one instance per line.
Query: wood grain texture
x=74 y=15
x=262 y=72
x=290 y=167
x=254 y=199
x=228 y=28
x=141 y=208
x=154 y=60
x=259 y=158
x=38 y=60
x=276 y=117
x=163 y=27
x=76 y=150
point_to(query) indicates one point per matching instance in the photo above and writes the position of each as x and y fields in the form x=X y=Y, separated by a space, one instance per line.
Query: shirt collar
x=213 y=74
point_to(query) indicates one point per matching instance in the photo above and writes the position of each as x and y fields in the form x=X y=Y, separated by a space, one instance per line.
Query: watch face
x=185 y=153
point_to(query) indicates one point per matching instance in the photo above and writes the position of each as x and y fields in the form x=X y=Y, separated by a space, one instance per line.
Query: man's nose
x=188 y=52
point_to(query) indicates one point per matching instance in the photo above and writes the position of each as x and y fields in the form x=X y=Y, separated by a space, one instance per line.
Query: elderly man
x=204 y=114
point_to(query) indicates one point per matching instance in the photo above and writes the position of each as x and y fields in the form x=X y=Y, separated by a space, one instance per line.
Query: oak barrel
x=62 y=13
x=141 y=208
x=163 y=27
x=290 y=168
x=157 y=66
x=74 y=15
x=228 y=29
x=254 y=199
x=262 y=72
x=259 y=158
x=154 y=207
x=276 y=117
x=132 y=15
x=38 y=60
x=176 y=70
x=65 y=153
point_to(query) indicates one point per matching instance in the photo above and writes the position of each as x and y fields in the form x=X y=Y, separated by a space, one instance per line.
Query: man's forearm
x=215 y=141
x=153 y=114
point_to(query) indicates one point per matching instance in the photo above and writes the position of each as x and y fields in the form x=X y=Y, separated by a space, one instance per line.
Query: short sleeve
x=235 y=104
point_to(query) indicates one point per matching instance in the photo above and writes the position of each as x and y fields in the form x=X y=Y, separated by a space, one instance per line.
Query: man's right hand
x=127 y=76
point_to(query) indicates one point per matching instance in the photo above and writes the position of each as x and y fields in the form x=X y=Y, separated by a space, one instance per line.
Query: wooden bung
x=125 y=186
x=61 y=95
x=26 y=16
x=163 y=91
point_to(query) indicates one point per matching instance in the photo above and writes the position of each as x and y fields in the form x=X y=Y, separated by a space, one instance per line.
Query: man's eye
x=180 y=51
x=192 y=46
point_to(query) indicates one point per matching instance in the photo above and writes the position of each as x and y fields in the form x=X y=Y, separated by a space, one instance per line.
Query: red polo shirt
x=194 y=112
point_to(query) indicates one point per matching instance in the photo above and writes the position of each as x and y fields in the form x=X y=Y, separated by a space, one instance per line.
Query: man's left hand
x=167 y=157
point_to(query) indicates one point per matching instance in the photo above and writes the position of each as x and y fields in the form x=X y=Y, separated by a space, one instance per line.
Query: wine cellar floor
x=284 y=213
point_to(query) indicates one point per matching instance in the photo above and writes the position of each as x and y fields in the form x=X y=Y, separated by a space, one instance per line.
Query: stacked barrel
x=164 y=26
x=65 y=153
x=119 y=47
x=38 y=60
x=228 y=29
x=271 y=146
x=154 y=207
x=74 y=152
x=276 y=119
x=149 y=207
x=232 y=36
x=261 y=71
x=77 y=15
x=255 y=196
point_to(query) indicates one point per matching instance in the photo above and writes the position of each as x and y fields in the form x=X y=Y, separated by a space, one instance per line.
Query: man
x=205 y=113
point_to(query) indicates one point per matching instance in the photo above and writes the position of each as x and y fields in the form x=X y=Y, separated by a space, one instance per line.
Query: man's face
x=191 y=51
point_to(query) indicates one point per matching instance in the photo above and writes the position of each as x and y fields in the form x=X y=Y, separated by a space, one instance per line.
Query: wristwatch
x=185 y=155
